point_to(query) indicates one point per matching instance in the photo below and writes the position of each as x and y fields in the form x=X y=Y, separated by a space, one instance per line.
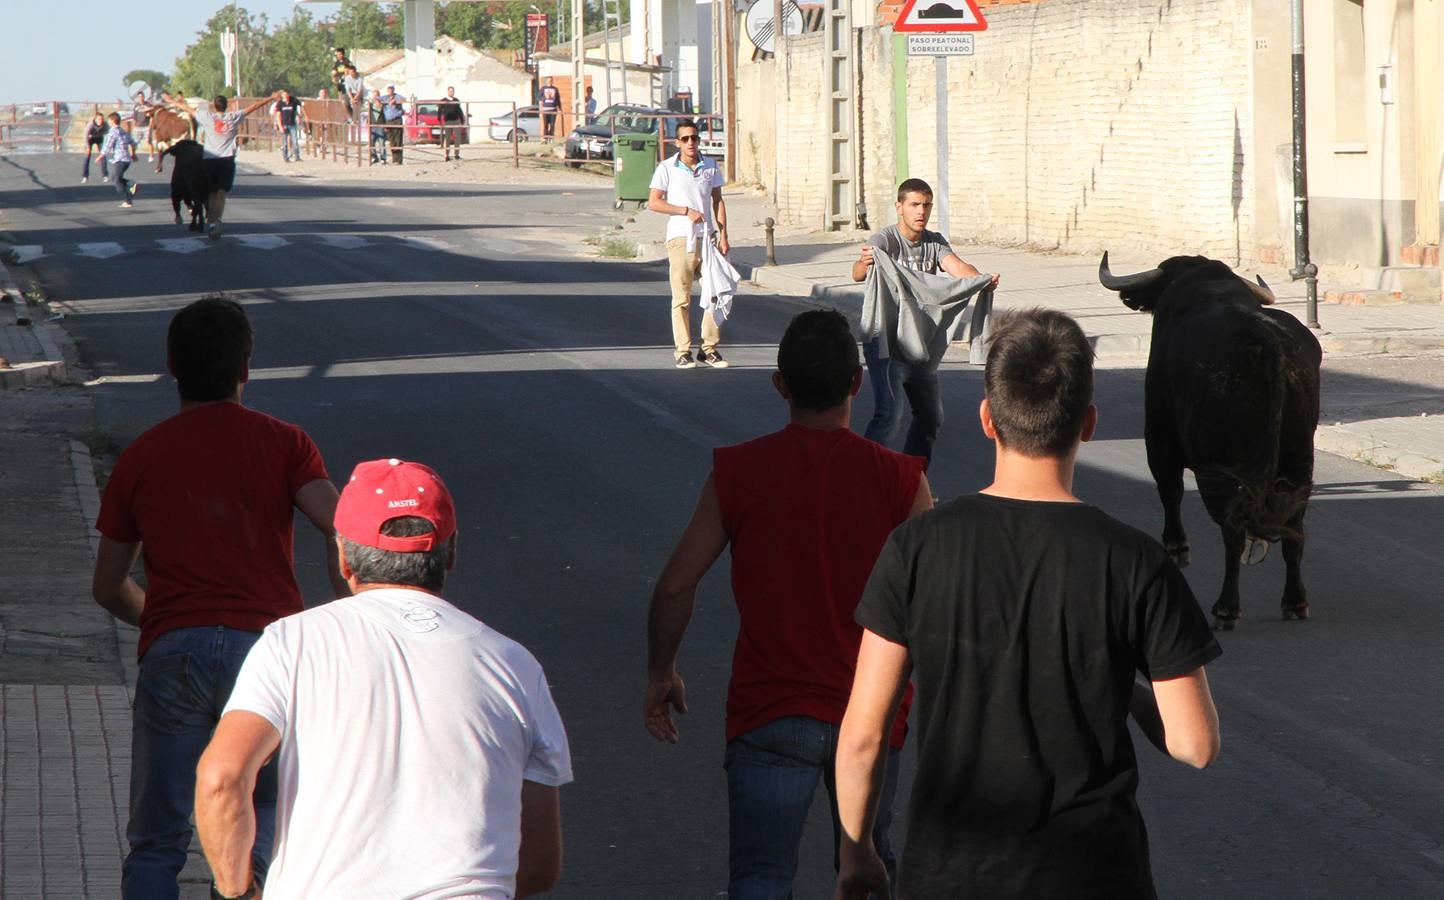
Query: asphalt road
x=457 y=327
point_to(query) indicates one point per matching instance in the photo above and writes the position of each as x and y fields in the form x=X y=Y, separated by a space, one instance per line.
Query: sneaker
x=126 y=205
x=714 y=359
x=134 y=189
x=215 y=231
x=105 y=178
x=84 y=179
x=685 y=361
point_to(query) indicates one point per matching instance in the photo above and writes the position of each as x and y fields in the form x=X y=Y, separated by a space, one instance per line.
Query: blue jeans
x=772 y=773
x=122 y=186
x=186 y=677
x=104 y=162
x=892 y=380
x=291 y=142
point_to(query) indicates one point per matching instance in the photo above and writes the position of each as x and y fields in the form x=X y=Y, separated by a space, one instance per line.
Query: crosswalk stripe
x=426 y=243
x=101 y=250
x=344 y=241
x=262 y=241
x=181 y=245
x=25 y=253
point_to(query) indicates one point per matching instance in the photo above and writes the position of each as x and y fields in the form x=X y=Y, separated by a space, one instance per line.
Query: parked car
x=528 y=125
x=40 y=109
x=594 y=141
x=423 y=124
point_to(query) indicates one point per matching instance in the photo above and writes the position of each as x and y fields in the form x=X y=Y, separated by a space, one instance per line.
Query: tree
x=467 y=22
x=200 y=71
x=370 y=26
x=297 y=57
x=154 y=80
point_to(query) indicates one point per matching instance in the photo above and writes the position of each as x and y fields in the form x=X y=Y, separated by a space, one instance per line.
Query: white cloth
x=719 y=283
x=407 y=728
x=691 y=188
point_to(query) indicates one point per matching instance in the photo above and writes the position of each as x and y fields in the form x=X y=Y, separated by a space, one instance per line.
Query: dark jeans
x=772 y=774
x=121 y=185
x=394 y=136
x=104 y=162
x=549 y=124
x=185 y=680
x=892 y=380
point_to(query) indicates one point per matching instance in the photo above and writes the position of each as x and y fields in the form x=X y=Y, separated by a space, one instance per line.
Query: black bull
x=188 y=182
x=1231 y=392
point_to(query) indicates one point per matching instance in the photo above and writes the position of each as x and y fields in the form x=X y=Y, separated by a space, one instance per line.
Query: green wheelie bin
x=634 y=159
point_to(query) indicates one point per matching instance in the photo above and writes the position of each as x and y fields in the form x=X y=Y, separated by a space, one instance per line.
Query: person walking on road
x=1024 y=617
x=911 y=246
x=290 y=116
x=219 y=150
x=687 y=188
x=805 y=511
x=453 y=120
x=119 y=149
x=208 y=495
x=395 y=116
x=550 y=101
x=95 y=142
x=420 y=752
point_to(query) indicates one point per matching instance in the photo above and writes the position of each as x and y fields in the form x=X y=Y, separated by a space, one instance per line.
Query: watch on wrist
x=248 y=895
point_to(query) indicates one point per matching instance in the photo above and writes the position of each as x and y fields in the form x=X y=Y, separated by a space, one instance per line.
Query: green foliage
x=155 y=80
x=370 y=26
x=298 y=57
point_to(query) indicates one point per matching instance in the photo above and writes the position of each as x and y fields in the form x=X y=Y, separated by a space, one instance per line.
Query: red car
x=423 y=124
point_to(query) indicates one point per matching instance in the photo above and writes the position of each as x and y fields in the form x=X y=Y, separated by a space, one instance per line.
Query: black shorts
x=221 y=173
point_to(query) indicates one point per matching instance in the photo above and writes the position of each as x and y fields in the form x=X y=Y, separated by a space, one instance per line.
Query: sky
x=79 y=49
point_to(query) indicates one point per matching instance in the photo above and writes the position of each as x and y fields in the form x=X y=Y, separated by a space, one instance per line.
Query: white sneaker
x=105 y=178
x=84 y=179
x=126 y=205
x=215 y=231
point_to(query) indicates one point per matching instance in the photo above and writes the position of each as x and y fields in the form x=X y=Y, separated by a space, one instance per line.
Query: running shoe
x=685 y=361
x=714 y=359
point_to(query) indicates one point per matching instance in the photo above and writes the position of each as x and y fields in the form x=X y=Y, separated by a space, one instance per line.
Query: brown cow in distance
x=166 y=127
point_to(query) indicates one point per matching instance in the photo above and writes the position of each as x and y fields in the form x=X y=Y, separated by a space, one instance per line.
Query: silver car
x=527 y=125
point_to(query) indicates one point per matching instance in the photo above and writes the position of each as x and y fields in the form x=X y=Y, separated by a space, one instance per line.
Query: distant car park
x=594 y=141
x=528 y=125
x=424 y=126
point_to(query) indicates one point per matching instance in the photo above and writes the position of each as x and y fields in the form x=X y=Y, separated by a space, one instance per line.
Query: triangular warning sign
x=940 y=15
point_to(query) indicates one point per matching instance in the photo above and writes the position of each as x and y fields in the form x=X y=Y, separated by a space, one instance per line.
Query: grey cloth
x=920 y=314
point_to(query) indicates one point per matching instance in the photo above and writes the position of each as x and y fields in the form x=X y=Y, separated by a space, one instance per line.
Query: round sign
x=761 y=25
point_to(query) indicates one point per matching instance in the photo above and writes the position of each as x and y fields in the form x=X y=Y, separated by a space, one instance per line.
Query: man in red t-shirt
x=209 y=493
x=806 y=511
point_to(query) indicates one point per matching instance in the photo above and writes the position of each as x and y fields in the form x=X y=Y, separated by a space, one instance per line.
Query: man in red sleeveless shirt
x=210 y=495
x=806 y=511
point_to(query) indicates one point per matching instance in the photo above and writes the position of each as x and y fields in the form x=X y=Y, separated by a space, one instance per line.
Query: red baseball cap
x=384 y=489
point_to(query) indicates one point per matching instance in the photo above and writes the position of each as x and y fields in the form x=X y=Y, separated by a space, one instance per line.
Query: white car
x=528 y=125
x=40 y=109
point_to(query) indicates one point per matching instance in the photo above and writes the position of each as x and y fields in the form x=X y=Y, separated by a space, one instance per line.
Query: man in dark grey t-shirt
x=912 y=246
x=1024 y=617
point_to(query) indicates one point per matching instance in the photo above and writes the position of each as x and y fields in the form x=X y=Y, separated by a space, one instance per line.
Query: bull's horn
x=1262 y=291
x=1121 y=283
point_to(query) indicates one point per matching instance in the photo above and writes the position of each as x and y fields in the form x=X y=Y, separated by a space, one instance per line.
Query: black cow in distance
x=188 y=182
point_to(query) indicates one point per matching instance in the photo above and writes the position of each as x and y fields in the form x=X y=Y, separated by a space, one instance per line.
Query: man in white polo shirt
x=687 y=188
x=420 y=753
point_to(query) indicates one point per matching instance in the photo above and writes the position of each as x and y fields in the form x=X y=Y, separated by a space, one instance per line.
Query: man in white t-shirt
x=687 y=188
x=219 y=150
x=420 y=753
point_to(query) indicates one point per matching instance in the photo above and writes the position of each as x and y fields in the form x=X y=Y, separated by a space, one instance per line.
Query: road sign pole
x=940 y=200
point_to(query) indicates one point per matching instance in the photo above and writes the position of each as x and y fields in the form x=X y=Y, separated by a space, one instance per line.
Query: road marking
x=426 y=243
x=181 y=245
x=262 y=241
x=25 y=253
x=345 y=241
x=101 y=250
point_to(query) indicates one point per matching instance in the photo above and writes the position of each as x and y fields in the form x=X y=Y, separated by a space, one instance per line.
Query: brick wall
x=1078 y=124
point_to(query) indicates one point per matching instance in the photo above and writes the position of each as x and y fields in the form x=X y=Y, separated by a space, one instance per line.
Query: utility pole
x=1303 y=266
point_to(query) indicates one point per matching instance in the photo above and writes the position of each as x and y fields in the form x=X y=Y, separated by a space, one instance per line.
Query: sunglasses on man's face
x=688 y=139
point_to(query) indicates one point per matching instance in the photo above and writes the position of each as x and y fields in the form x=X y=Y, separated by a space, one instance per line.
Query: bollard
x=769 y=225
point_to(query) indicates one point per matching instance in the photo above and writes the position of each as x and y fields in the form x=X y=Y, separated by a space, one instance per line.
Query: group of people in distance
x=1011 y=625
